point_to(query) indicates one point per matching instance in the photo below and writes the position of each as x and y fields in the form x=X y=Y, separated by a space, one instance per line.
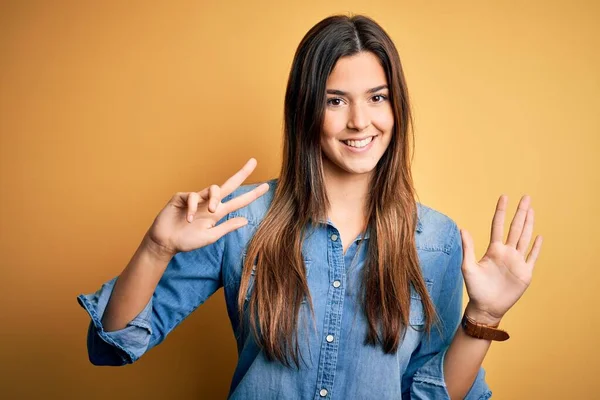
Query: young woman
x=338 y=284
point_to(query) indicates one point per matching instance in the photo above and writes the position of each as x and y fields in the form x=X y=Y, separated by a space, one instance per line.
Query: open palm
x=497 y=281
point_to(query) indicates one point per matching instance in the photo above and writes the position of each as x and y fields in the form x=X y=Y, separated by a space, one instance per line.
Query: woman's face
x=358 y=119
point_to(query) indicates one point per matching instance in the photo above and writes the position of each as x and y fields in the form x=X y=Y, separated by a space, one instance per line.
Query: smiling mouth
x=358 y=143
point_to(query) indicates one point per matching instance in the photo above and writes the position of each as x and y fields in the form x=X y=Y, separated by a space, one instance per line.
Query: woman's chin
x=358 y=169
x=349 y=167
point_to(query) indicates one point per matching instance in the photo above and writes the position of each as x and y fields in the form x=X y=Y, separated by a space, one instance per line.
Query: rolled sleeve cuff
x=120 y=347
x=429 y=383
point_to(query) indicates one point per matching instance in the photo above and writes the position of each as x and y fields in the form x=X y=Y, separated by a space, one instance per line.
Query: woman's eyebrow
x=342 y=93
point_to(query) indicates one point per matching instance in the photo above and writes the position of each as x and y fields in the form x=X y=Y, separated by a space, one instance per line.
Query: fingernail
x=190 y=218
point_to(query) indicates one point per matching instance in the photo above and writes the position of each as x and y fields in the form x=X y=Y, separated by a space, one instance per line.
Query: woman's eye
x=334 y=102
x=378 y=98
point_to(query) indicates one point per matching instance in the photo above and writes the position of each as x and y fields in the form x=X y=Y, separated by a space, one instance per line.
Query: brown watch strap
x=481 y=331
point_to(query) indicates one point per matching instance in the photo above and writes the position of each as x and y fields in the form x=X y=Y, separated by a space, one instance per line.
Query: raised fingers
x=244 y=199
x=516 y=226
x=192 y=205
x=535 y=251
x=228 y=226
x=214 y=198
x=497 y=233
x=238 y=178
x=210 y=194
x=525 y=238
x=213 y=194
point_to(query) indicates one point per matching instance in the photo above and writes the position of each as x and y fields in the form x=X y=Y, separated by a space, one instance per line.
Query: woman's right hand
x=189 y=220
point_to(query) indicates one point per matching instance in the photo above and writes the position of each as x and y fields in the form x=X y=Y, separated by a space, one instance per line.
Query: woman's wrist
x=155 y=251
x=481 y=316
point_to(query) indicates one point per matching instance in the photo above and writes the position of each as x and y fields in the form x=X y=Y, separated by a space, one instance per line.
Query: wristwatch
x=481 y=331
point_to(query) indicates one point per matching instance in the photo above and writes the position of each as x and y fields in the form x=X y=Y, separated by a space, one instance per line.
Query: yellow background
x=108 y=109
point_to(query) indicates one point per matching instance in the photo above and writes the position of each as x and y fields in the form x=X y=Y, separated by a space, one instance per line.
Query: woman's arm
x=494 y=284
x=174 y=270
x=135 y=285
x=465 y=356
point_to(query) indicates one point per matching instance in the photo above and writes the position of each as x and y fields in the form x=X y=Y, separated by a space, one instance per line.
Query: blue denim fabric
x=337 y=363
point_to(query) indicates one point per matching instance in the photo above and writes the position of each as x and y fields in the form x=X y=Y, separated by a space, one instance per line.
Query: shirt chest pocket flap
x=417 y=312
x=307 y=263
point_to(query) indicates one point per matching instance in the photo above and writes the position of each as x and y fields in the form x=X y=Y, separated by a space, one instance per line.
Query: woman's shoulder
x=438 y=243
x=436 y=231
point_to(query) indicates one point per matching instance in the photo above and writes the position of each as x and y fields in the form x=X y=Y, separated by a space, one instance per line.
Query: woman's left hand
x=500 y=278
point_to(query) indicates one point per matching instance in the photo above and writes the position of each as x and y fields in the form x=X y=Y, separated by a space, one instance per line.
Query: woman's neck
x=347 y=193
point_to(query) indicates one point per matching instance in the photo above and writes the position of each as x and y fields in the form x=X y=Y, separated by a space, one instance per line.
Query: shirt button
x=337 y=283
x=323 y=392
x=334 y=237
x=329 y=338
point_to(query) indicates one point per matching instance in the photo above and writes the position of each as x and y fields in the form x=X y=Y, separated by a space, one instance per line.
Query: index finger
x=238 y=178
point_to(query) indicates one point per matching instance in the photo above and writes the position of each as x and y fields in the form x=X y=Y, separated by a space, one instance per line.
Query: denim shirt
x=337 y=364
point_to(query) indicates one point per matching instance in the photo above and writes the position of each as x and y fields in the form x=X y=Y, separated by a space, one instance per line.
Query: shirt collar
x=419 y=228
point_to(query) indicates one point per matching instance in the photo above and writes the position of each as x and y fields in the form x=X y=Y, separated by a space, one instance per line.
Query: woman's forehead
x=357 y=74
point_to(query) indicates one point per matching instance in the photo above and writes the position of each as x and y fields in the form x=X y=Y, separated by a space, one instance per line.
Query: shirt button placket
x=333 y=316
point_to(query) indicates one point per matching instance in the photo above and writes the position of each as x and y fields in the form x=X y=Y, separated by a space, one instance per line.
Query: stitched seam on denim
x=250 y=288
x=428 y=285
x=444 y=249
x=306 y=258
x=307 y=262
x=428 y=380
x=140 y=323
x=100 y=329
x=413 y=320
x=456 y=235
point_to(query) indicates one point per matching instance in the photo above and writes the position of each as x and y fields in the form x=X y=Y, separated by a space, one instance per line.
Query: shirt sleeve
x=188 y=281
x=425 y=372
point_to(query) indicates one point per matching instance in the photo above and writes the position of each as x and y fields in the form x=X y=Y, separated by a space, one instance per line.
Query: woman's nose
x=359 y=117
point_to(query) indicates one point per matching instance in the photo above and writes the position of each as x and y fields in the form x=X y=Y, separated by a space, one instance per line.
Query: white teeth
x=358 y=143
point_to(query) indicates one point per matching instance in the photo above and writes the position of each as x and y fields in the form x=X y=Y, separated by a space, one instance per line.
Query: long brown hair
x=300 y=198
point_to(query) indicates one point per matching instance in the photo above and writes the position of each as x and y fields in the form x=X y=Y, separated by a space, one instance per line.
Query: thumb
x=468 y=249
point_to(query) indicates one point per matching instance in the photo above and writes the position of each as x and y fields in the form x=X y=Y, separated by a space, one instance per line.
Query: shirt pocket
x=307 y=263
x=417 y=311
